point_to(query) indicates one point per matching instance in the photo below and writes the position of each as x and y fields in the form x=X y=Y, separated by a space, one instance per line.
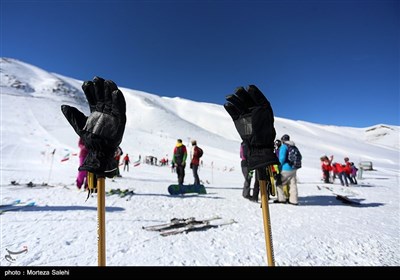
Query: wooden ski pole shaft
x=101 y=215
x=101 y=221
x=266 y=218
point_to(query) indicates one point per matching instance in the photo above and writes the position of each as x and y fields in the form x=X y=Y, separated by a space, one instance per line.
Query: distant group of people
x=285 y=174
x=178 y=161
x=347 y=172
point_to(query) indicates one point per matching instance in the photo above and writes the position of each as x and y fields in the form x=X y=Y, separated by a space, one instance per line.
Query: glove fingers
x=88 y=89
x=99 y=93
x=237 y=102
x=232 y=110
x=245 y=98
x=75 y=117
x=257 y=96
x=118 y=103
x=109 y=87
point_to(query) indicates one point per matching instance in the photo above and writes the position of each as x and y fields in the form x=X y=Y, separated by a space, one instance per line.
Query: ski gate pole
x=51 y=165
x=101 y=215
x=265 y=212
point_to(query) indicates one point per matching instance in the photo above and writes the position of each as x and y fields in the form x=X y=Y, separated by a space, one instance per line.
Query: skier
x=179 y=160
x=248 y=174
x=288 y=174
x=194 y=163
x=348 y=170
x=339 y=170
x=326 y=166
x=117 y=157
x=82 y=174
x=353 y=174
x=277 y=167
x=126 y=162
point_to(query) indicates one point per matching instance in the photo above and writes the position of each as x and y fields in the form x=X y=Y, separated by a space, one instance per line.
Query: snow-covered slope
x=60 y=230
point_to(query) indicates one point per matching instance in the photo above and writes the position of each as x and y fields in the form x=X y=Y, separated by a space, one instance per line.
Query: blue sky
x=329 y=62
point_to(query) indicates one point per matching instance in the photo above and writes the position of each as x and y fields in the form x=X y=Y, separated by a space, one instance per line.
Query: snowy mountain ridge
x=165 y=119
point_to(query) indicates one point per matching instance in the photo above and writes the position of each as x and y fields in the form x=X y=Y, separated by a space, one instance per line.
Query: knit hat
x=285 y=138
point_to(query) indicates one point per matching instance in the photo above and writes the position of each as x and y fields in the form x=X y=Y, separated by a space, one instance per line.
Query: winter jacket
x=243 y=153
x=126 y=159
x=83 y=150
x=283 y=150
x=195 y=156
x=180 y=154
x=338 y=168
x=347 y=168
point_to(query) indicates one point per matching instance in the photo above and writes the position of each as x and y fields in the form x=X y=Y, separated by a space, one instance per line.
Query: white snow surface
x=61 y=229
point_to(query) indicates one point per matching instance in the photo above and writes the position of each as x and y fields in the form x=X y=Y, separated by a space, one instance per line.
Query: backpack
x=294 y=156
x=179 y=154
x=199 y=152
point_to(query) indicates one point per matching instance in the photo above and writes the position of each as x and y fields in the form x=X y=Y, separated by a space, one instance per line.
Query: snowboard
x=346 y=200
x=343 y=198
x=182 y=189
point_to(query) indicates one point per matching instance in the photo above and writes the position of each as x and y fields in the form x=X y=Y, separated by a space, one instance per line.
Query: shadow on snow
x=64 y=208
x=319 y=200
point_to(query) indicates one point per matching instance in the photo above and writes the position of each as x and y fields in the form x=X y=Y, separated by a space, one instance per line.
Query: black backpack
x=199 y=152
x=294 y=156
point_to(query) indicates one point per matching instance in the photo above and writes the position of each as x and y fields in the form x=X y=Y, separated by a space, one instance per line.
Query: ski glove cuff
x=103 y=129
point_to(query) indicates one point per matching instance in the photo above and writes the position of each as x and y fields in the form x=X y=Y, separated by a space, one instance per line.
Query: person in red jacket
x=339 y=169
x=126 y=162
x=194 y=163
x=348 y=170
x=326 y=168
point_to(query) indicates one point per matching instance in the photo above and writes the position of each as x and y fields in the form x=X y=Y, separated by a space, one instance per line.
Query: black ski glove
x=254 y=120
x=102 y=131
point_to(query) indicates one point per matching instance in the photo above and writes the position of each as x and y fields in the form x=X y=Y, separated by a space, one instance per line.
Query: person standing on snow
x=288 y=174
x=247 y=174
x=117 y=156
x=126 y=162
x=81 y=179
x=194 y=163
x=326 y=166
x=179 y=156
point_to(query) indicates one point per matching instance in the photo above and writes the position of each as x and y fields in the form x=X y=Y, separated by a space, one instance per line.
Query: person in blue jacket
x=288 y=174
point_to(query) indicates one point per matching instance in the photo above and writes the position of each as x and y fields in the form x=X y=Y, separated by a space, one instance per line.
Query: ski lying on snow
x=195 y=227
x=11 y=203
x=176 y=223
x=15 y=207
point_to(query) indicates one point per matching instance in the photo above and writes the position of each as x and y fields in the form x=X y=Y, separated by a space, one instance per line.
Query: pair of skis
x=121 y=193
x=177 y=226
x=15 y=205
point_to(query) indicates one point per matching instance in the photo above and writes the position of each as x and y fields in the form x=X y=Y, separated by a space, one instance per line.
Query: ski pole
x=99 y=186
x=266 y=218
x=51 y=165
x=101 y=221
